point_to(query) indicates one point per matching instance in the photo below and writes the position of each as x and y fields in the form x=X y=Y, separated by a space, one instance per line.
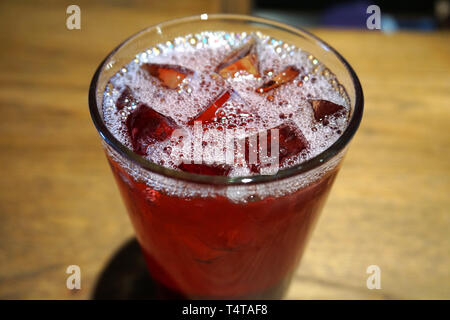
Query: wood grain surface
x=60 y=206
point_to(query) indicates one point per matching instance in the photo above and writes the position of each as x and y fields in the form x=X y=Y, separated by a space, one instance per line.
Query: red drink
x=215 y=221
x=215 y=248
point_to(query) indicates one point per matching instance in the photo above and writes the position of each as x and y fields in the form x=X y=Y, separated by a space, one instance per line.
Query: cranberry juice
x=224 y=104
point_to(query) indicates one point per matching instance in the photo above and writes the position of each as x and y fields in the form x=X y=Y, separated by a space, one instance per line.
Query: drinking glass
x=221 y=237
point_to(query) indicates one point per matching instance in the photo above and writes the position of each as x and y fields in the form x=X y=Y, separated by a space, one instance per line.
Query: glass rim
x=298 y=169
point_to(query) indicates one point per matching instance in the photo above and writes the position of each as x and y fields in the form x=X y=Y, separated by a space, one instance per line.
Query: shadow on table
x=126 y=277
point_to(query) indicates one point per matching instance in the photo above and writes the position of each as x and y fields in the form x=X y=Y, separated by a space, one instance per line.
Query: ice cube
x=125 y=99
x=285 y=76
x=291 y=142
x=170 y=75
x=206 y=169
x=228 y=110
x=323 y=109
x=209 y=114
x=242 y=59
x=146 y=126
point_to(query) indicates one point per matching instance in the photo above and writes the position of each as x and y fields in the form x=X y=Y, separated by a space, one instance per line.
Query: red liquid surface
x=215 y=248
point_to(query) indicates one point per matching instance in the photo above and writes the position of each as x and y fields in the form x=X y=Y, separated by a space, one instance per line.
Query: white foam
x=202 y=53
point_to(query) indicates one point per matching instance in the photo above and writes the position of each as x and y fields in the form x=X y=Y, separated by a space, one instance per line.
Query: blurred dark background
x=401 y=14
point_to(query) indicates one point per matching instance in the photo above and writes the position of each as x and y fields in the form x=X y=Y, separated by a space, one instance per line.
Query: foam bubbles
x=202 y=53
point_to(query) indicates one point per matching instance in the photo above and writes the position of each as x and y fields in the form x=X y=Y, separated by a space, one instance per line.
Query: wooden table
x=59 y=204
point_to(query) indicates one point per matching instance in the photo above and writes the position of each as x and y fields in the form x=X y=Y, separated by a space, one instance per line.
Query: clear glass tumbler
x=219 y=237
